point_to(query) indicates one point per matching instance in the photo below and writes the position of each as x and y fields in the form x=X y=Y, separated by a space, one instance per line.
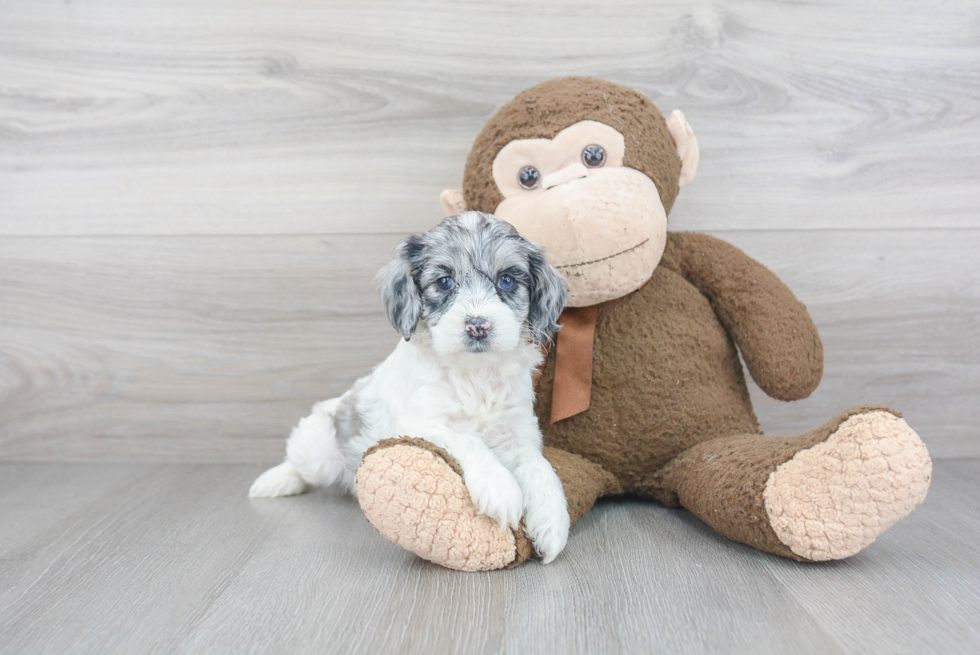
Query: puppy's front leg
x=546 y=519
x=492 y=487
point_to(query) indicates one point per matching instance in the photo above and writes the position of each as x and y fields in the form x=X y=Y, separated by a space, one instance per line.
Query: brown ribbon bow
x=572 y=392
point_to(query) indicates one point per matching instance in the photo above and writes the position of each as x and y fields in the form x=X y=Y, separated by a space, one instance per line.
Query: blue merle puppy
x=474 y=302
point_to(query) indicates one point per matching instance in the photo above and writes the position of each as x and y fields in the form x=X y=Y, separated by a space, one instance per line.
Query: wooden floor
x=142 y=558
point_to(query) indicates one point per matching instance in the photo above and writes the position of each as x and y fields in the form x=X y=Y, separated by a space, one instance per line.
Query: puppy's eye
x=445 y=283
x=594 y=156
x=529 y=177
x=505 y=282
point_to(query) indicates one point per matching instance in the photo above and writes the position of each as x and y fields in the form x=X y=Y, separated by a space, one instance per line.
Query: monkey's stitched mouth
x=606 y=258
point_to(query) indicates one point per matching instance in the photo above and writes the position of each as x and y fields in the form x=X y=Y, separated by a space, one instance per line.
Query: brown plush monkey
x=644 y=392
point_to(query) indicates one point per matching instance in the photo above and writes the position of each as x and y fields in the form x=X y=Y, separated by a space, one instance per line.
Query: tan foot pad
x=835 y=498
x=417 y=500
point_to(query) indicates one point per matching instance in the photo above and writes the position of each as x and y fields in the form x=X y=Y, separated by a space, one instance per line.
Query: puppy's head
x=475 y=285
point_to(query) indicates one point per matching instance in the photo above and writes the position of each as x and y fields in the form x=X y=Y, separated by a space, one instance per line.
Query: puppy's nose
x=477 y=327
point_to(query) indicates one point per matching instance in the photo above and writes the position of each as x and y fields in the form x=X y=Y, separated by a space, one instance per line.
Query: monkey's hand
x=773 y=331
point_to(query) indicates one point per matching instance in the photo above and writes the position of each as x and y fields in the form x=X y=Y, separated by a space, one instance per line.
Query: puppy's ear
x=399 y=293
x=547 y=296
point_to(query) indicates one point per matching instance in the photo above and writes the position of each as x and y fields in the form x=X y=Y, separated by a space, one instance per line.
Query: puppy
x=475 y=302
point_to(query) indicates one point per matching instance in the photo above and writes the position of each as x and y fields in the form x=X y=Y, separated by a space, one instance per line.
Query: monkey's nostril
x=551 y=184
x=568 y=174
x=477 y=327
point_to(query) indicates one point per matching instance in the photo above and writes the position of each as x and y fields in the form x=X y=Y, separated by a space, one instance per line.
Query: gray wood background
x=194 y=197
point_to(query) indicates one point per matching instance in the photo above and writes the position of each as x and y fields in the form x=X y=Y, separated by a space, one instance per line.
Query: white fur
x=476 y=405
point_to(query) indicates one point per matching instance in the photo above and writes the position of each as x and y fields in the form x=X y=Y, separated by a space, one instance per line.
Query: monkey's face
x=602 y=225
x=589 y=170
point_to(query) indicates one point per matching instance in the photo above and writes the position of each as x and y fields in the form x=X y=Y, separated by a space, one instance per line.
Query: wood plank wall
x=194 y=197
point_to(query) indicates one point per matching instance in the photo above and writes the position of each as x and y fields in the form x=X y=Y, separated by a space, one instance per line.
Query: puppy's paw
x=495 y=493
x=546 y=520
x=282 y=480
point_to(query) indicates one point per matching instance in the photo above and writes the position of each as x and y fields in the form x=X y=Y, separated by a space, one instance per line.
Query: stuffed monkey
x=643 y=391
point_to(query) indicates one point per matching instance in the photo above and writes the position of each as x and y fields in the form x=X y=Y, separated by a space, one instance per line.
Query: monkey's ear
x=452 y=202
x=687 y=146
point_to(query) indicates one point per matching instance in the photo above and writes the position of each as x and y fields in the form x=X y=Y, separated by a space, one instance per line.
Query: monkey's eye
x=594 y=156
x=505 y=282
x=529 y=177
x=445 y=283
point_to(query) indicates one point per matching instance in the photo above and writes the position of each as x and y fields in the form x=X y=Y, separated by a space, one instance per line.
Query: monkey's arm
x=773 y=331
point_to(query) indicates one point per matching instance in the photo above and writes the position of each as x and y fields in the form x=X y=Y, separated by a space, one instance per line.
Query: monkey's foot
x=831 y=500
x=413 y=493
